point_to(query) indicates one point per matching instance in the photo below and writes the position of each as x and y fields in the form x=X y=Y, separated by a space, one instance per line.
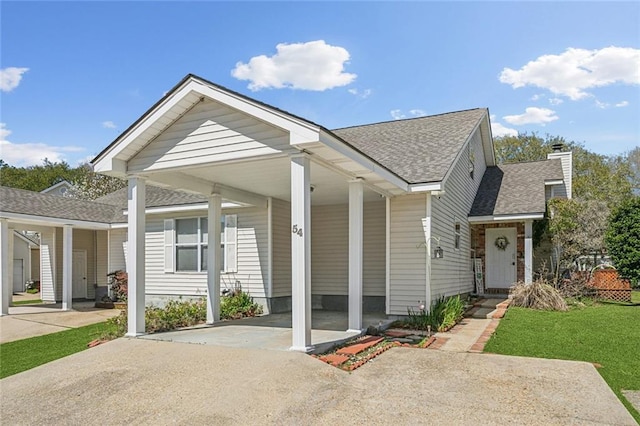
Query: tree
x=623 y=239
x=92 y=185
x=37 y=178
x=85 y=183
x=577 y=227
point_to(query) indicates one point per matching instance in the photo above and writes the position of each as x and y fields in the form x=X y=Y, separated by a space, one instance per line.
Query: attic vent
x=557 y=147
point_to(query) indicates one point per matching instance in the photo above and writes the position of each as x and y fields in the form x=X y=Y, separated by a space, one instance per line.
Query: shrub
x=175 y=314
x=537 y=295
x=623 y=239
x=119 y=281
x=576 y=286
x=238 y=304
x=185 y=313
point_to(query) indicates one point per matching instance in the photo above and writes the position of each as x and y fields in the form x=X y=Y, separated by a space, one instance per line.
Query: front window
x=192 y=243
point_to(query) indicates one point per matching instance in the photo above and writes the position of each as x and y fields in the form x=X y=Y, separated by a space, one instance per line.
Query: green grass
x=605 y=334
x=635 y=296
x=26 y=302
x=26 y=354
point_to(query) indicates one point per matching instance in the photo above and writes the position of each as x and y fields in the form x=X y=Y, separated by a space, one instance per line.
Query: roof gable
x=513 y=189
x=182 y=98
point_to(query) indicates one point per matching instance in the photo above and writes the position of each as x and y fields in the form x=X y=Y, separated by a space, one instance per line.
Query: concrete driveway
x=36 y=320
x=153 y=382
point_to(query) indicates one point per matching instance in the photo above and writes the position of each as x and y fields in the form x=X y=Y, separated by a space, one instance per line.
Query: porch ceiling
x=269 y=177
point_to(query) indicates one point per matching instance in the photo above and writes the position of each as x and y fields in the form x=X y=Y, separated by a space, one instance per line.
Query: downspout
x=427 y=236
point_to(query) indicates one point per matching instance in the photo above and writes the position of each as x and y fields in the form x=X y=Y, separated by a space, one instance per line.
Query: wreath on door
x=502 y=243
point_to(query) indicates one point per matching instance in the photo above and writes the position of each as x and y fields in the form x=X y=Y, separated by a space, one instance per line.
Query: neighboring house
x=22 y=267
x=225 y=190
x=61 y=188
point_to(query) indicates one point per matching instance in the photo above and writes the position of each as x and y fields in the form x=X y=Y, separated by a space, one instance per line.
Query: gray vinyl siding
x=453 y=274
x=330 y=249
x=117 y=250
x=407 y=261
x=210 y=132
x=102 y=256
x=252 y=257
x=47 y=266
x=83 y=239
x=281 y=234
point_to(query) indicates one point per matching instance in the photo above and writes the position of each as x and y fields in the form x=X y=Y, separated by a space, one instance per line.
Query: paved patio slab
x=150 y=382
x=270 y=331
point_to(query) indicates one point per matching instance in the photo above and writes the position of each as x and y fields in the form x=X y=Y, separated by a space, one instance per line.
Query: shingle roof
x=19 y=201
x=515 y=188
x=419 y=149
x=154 y=197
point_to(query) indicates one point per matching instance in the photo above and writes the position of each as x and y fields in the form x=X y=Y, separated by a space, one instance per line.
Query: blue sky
x=76 y=74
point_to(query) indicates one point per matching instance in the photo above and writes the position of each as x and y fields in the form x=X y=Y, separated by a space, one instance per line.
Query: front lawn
x=606 y=334
x=26 y=354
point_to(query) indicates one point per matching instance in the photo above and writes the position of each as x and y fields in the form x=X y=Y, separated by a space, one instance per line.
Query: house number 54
x=297 y=231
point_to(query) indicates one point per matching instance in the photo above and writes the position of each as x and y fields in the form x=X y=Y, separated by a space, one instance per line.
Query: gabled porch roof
x=391 y=158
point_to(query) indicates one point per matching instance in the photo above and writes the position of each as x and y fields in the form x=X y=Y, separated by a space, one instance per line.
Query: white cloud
x=498 y=130
x=555 y=101
x=532 y=115
x=4 y=132
x=622 y=104
x=397 y=114
x=537 y=96
x=30 y=154
x=361 y=94
x=314 y=65
x=575 y=71
x=602 y=105
x=10 y=78
x=109 y=124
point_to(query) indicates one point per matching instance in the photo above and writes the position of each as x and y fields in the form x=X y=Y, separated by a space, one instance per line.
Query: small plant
x=118 y=280
x=238 y=304
x=537 y=295
x=444 y=313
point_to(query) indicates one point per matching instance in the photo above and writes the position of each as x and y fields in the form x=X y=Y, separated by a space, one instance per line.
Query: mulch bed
x=360 y=351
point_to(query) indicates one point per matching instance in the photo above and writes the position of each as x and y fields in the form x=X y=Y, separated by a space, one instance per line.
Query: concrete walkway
x=26 y=321
x=136 y=381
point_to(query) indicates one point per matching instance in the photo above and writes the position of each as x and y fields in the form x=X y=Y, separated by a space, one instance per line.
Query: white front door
x=79 y=274
x=500 y=246
x=18 y=275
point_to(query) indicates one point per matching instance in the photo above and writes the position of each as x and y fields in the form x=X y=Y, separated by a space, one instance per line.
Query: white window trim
x=229 y=241
x=457 y=235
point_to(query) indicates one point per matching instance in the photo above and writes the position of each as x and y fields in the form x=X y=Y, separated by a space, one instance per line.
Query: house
x=224 y=190
x=23 y=269
x=59 y=188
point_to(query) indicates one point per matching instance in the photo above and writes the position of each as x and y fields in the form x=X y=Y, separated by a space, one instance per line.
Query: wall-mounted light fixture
x=438 y=252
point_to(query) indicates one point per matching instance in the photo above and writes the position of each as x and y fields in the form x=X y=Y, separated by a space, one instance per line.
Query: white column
x=214 y=254
x=67 y=267
x=356 y=194
x=301 y=252
x=528 y=251
x=6 y=289
x=135 y=256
